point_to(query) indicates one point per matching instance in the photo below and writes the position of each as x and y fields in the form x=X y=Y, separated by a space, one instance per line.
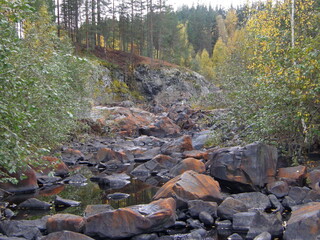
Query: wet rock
x=134 y=220
x=77 y=179
x=27 y=229
x=117 y=196
x=62 y=203
x=263 y=236
x=278 y=188
x=229 y=207
x=27 y=185
x=304 y=223
x=254 y=200
x=34 y=204
x=191 y=186
x=244 y=168
x=71 y=156
x=44 y=180
x=206 y=218
x=195 y=207
x=61 y=222
x=66 y=235
x=314 y=179
x=96 y=209
x=179 y=145
x=107 y=154
x=188 y=164
x=242 y=221
x=294 y=176
x=55 y=165
x=164 y=127
x=114 y=181
x=235 y=236
x=263 y=222
x=298 y=194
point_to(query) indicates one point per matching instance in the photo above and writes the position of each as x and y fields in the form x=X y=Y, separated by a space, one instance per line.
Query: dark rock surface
x=66 y=235
x=231 y=206
x=33 y=203
x=61 y=222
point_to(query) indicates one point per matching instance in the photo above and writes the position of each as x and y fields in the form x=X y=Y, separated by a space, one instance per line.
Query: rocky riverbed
x=198 y=191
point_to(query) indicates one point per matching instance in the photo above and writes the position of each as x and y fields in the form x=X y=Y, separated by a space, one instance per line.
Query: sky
x=224 y=3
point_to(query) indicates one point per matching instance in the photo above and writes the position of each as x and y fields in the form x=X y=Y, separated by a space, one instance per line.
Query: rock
x=26 y=229
x=180 y=224
x=206 y=218
x=11 y=238
x=278 y=188
x=235 y=236
x=188 y=164
x=242 y=221
x=314 y=179
x=27 y=185
x=263 y=222
x=164 y=127
x=293 y=175
x=134 y=220
x=251 y=167
x=152 y=236
x=61 y=203
x=34 y=204
x=117 y=196
x=298 y=194
x=312 y=196
x=77 y=179
x=55 y=165
x=263 y=236
x=8 y=213
x=107 y=154
x=96 y=209
x=61 y=222
x=147 y=155
x=253 y=200
x=196 y=154
x=66 y=235
x=275 y=204
x=71 y=156
x=200 y=139
x=229 y=207
x=44 y=180
x=148 y=141
x=195 y=207
x=194 y=224
x=114 y=181
x=288 y=202
x=179 y=145
x=190 y=186
x=304 y=223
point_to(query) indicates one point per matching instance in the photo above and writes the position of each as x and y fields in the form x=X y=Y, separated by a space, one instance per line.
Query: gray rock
x=195 y=207
x=66 y=235
x=195 y=224
x=288 y=202
x=235 y=236
x=298 y=194
x=276 y=205
x=152 y=236
x=312 y=196
x=263 y=236
x=34 y=204
x=200 y=139
x=243 y=221
x=61 y=202
x=278 y=188
x=231 y=206
x=206 y=218
x=253 y=200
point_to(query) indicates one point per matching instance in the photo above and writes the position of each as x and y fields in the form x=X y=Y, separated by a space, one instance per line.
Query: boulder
x=304 y=222
x=96 y=209
x=293 y=175
x=251 y=167
x=61 y=222
x=113 y=181
x=314 y=179
x=206 y=218
x=53 y=164
x=235 y=236
x=186 y=165
x=196 y=154
x=298 y=194
x=278 y=188
x=229 y=207
x=242 y=221
x=147 y=155
x=107 y=154
x=34 y=204
x=312 y=196
x=263 y=236
x=179 y=145
x=62 y=203
x=190 y=186
x=131 y=221
x=66 y=235
x=275 y=204
x=71 y=156
x=253 y=200
x=200 y=139
x=163 y=127
x=195 y=207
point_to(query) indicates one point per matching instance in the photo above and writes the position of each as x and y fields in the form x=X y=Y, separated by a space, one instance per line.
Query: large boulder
x=131 y=221
x=254 y=200
x=304 y=222
x=251 y=167
x=191 y=186
x=61 y=222
x=188 y=164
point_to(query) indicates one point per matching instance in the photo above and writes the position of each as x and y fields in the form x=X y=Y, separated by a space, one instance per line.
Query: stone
x=117 y=196
x=179 y=145
x=229 y=207
x=206 y=218
x=294 y=176
x=148 y=141
x=196 y=154
x=147 y=155
x=77 y=179
x=275 y=204
x=107 y=154
x=62 y=203
x=151 y=236
x=244 y=168
x=288 y=202
x=130 y=221
x=61 y=222
x=113 y=181
x=200 y=139
x=235 y=236
x=11 y=238
x=194 y=223
x=298 y=194
x=242 y=221
x=279 y=188
x=312 y=196
x=96 y=209
x=164 y=127
x=188 y=164
x=195 y=207
x=71 y=156
x=263 y=236
x=304 y=222
x=314 y=179
x=34 y=204
x=55 y=165
x=66 y=235
x=253 y=200
x=190 y=186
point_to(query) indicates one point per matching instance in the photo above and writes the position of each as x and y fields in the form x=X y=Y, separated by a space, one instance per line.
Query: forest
x=265 y=57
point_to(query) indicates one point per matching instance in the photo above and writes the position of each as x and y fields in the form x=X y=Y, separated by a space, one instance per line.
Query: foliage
x=42 y=86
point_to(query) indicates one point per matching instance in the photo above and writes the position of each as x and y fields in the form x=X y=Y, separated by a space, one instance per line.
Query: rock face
x=251 y=166
x=131 y=221
x=304 y=223
x=191 y=186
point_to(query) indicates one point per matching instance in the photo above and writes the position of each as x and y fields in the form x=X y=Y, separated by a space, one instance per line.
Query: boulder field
x=203 y=192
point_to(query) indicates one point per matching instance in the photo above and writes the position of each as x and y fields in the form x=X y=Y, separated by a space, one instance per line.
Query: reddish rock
x=293 y=175
x=61 y=222
x=191 y=186
x=164 y=127
x=107 y=154
x=66 y=235
x=304 y=222
x=196 y=154
x=314 y=179
x=53 y=164
x=179 y=145
x=29 y=184
x=188 y=164
x=131 y=221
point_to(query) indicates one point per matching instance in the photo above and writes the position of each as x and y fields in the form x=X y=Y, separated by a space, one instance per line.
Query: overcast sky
x=224 y=3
